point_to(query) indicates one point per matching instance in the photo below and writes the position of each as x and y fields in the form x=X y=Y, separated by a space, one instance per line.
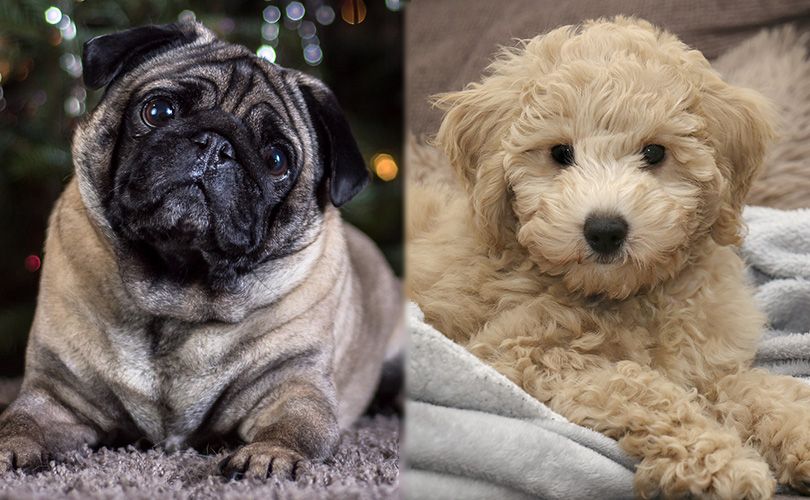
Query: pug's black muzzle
x=194 y=190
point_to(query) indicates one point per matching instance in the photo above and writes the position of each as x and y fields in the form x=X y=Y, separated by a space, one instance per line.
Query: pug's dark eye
x=157 y=111
x=278 y=162
x=563 y=154
x=653 y=153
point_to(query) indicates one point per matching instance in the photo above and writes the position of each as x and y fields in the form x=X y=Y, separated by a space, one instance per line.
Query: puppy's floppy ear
x=740 y=128
x=107 y=56
x=345 y=166
x=475 y=122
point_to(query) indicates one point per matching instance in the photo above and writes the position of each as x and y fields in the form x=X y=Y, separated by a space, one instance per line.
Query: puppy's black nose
x=605 y=233
x=214 y=146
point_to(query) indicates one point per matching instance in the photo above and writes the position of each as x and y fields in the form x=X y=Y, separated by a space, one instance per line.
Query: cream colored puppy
x=587 y=253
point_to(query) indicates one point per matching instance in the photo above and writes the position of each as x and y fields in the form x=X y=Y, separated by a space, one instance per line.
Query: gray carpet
x=364 y=467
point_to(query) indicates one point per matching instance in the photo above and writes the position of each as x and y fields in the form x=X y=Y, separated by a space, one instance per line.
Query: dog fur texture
x=653 y=346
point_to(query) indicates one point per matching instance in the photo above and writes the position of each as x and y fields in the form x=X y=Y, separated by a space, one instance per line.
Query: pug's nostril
x=605 y=234
x=214 y=144
x=226 y=151
x=201 y=139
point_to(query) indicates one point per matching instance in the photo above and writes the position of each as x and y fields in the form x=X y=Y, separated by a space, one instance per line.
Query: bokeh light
x=32 y=263
x=267 y=52
x=313 y=54
x=394 y=5
x=186 y=16
x=307 y=30
x=73 y=106
x=325 y=15
x=271 y=14
x=295 y=11
x=385 y=166
x=310 y=41
x=53 y=15
x=69 y=31
x=71 y=64
x=270 y=31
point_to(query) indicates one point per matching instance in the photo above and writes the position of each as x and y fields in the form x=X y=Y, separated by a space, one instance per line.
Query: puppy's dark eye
x=653 y=153
x=157 y=111
x=278 y=162
x=563 y=154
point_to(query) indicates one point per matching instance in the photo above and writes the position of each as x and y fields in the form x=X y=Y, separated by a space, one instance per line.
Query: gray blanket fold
x=777 y=250
x=469 y=429
x=471 y=433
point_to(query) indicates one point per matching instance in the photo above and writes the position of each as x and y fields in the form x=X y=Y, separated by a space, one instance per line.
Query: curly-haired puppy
x=588 y=253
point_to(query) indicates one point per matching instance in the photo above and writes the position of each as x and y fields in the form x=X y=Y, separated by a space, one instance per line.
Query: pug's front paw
x=259 y=460
x=22 y=452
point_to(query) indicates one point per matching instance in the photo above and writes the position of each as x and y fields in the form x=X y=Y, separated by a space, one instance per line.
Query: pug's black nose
x=214 y=146
x=605 y=234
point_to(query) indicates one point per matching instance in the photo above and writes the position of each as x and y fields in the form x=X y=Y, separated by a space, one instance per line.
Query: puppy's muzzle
x=605 y=234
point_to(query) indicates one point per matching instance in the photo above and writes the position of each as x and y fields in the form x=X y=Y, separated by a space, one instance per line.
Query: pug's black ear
x=107 y=56
x=345 y=165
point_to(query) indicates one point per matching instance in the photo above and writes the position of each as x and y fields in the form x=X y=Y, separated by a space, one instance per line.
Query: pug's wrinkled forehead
x=188 y=58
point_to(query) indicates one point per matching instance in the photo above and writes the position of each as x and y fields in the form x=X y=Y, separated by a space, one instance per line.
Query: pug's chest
x=169 y=381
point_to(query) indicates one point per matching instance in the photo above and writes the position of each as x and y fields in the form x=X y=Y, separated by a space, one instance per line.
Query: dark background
x=42 y=97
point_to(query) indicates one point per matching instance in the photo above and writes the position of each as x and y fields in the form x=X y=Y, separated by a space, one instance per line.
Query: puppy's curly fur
x=652 y=346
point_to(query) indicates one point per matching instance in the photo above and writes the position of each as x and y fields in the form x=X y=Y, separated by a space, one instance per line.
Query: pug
x=198 y=282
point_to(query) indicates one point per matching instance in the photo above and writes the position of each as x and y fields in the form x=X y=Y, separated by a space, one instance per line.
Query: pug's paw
x=22 y=452
x=260 y=460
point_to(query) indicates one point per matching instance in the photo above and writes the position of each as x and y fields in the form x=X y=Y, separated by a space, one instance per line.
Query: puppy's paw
x=722 y=474
x=259 y=460
x=792 y=461
x=22 y=452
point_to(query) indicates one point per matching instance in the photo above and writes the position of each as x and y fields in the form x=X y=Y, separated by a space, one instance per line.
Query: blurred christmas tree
x=356 y=48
